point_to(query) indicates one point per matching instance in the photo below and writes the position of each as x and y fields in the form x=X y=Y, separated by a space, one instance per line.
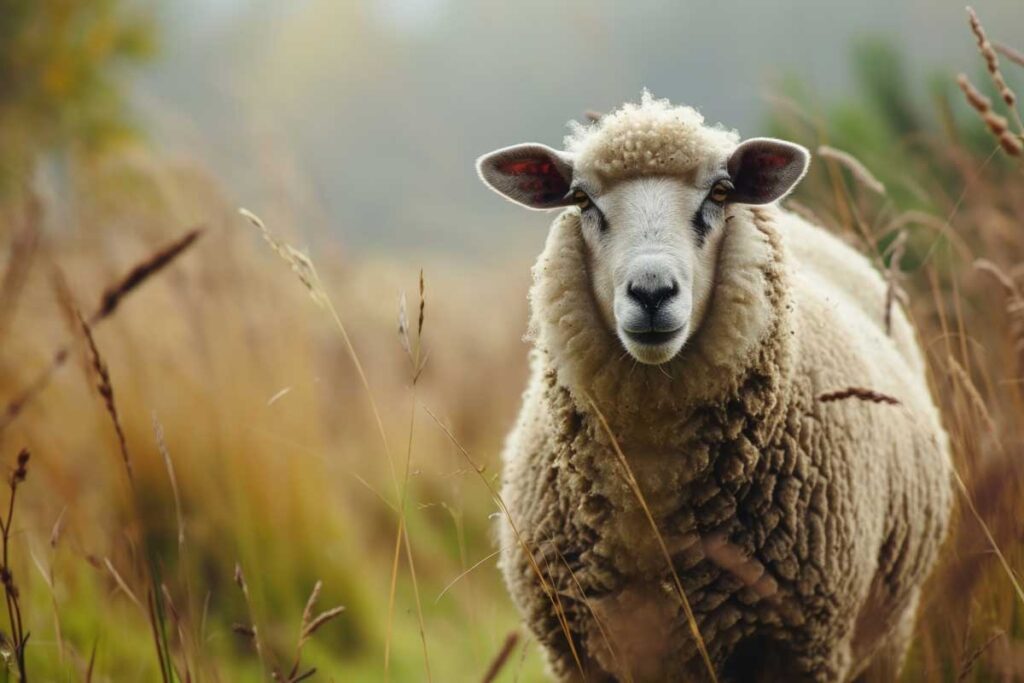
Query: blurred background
x=351 y=129
x=339 y=109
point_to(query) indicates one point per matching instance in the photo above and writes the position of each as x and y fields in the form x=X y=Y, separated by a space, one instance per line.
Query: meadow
x=239 y=466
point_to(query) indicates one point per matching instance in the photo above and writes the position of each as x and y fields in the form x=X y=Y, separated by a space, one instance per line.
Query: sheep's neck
x=725 y=389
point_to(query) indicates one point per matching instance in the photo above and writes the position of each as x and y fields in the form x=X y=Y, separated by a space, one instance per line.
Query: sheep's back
x=854 y=283
x=888 y=465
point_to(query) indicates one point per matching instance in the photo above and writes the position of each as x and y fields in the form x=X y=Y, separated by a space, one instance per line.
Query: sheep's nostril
x=651 y=299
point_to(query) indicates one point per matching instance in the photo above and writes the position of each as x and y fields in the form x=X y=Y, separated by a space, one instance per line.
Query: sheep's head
x=654 y=187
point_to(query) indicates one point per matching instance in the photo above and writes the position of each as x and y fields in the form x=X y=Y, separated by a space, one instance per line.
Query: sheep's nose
x=651 y=298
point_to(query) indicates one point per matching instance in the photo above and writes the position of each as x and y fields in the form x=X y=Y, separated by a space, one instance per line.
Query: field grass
x=281 y=441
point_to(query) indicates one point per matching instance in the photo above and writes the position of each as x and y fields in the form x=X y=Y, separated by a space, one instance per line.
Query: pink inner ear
x=527 y=167
x=772 y=160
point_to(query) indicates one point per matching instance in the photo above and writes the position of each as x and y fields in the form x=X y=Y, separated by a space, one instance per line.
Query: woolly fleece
x=801 y=531
x=646 y=138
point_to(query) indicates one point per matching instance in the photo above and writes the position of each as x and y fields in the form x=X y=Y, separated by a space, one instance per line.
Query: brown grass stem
x=19 y=637
x=110 y=300
x=501 y=658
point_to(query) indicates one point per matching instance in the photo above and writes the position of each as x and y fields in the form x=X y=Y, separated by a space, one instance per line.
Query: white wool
x=831 y=514
x=652 y=137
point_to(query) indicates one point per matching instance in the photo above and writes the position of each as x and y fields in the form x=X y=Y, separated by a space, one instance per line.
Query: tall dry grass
x=286 y=453
x=268 y=455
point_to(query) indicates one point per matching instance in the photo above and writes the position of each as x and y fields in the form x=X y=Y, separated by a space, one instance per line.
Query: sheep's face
x=653 y=243
x=652 y=239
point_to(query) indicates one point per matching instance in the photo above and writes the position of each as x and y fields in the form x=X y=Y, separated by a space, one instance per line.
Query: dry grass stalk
x=300 y=263
x=58 y=527
x=250 y=630
x=161 y=445
x=109 y=302
x=1000 y=276
x=181 y=626
x=997 y=125
x=852 y=164
x=154 y=607
x=970 y=661
x=859 y=393
x=893 y=274
x=14 y=406
x=155 y=611
x=932 y=222
x=179 y=629
x=19 y=638
x=50 y=581
x=142 y=271
x=634 y=486
x=981 y=103
x=415 y=354
x=309 y=626
x=319 y=620
x=989 y=537
x=557 y=592
x=1010 y=142
x=119 y=580
x=414 y=351
x=991 y=60
x=106 y=390
x=403 y=326
x=314 y=595
x=1014 y=55
x=501 y=659
x=966 y=639
x=466 y=572
x=423 y=304
x=303 y=267
x=964 y=378
x=1014 y=306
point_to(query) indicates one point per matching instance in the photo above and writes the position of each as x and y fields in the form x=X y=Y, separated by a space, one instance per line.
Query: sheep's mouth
x=652 y=337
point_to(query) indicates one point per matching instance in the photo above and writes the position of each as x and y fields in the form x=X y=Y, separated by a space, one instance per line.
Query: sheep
x=732 y=359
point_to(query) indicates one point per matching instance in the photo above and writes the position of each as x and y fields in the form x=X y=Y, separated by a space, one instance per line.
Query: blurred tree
x=58 y=81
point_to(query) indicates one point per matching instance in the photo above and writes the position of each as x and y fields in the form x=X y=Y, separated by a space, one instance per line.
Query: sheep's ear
x=765 y=169
x=531 y=174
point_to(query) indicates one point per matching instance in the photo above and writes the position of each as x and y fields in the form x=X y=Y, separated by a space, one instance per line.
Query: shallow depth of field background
x=351 y=128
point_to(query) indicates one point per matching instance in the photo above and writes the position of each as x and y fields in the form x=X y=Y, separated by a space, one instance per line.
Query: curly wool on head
x=647 y=138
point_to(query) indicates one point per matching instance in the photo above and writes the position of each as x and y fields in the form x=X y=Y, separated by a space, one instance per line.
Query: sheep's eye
x=589 y=209
x=720 y=191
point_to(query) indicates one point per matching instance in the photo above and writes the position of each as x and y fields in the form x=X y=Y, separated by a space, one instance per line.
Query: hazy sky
x=369 y=113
